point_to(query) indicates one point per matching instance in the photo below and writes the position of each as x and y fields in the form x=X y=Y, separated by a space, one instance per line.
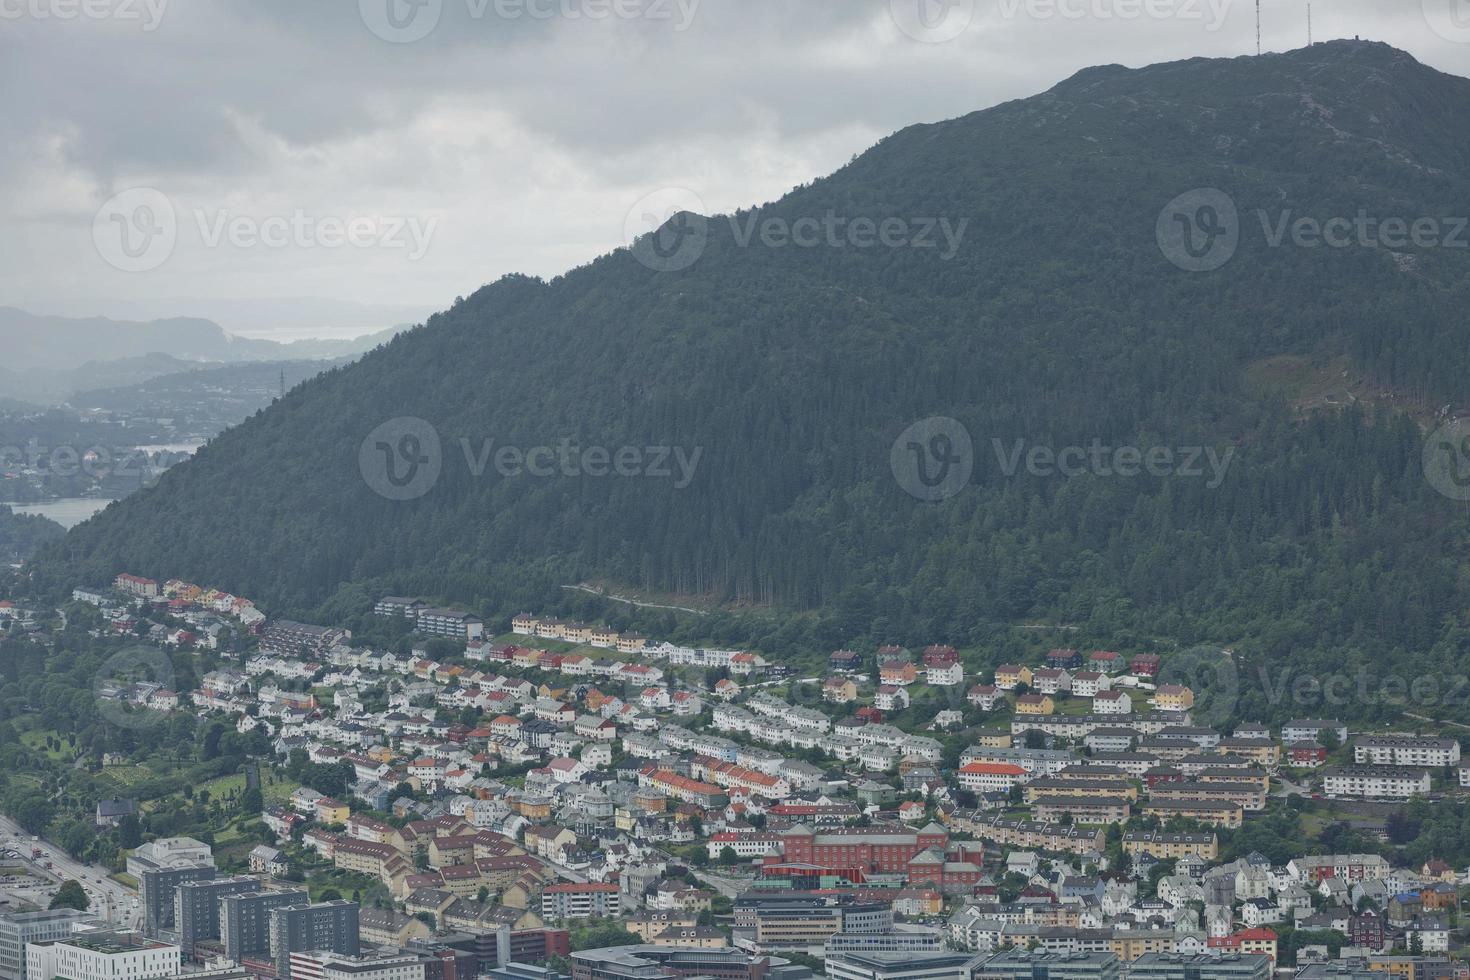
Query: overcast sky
x=329 y=166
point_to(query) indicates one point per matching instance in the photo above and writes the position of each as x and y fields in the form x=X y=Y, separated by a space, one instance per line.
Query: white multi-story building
x=102 y=956
x=1405 y=750
x=1375 y=782
x=319 y=965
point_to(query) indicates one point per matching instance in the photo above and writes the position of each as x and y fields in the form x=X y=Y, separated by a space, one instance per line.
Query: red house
x=1145 y=665
x=1307 y=755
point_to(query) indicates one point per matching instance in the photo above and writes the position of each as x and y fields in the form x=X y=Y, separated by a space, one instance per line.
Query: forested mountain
x=1058 y=319
x=22 y=534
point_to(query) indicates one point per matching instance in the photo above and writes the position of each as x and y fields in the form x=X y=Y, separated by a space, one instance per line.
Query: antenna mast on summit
x=1258 y=28
x=1309 y=23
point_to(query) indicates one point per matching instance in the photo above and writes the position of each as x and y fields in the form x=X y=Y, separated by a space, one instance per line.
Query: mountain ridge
x=1059 y=321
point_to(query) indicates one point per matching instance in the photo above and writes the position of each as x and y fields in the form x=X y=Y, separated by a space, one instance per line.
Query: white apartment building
x=1375 y=782
x=102 y=956
x=1406 y=750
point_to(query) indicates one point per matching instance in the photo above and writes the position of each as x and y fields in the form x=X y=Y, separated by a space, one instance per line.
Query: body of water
x=68 y=512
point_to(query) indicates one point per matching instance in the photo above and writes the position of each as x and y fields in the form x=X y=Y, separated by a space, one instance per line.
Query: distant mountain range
x=47 y=358
x=1072 y=300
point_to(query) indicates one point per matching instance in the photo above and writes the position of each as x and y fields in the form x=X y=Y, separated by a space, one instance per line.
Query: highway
x=110 y=900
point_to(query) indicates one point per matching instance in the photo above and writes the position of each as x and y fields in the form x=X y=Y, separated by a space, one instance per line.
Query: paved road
x=110 y=900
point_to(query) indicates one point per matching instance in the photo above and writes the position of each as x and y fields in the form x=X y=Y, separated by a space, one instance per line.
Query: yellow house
x=1009 y=676
x=1035 y=704
x=646 y=925
x=329 y=810
x=1130 y=944
x=839 y=690
x=1173 y=697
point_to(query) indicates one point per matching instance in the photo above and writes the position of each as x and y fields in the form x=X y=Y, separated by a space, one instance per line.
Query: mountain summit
x=1200 y=261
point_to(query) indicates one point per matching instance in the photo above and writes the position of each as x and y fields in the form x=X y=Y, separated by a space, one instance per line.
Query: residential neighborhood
x=529 y=784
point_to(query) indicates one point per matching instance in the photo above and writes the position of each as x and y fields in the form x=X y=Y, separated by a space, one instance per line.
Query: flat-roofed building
x=1201 y=966
x=1020 y=964
x=899 y=965
x=17 y=929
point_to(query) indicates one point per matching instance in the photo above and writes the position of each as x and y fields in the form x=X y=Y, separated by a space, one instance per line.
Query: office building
x=327 y=927
x=319 y=965
x=671 y=962
x=245 y=921
x=197 y=908
x=900 y=966
x=1020 y=964
x=159 y=867
x=102 y=956
x=19 y=928
x=1181 y=966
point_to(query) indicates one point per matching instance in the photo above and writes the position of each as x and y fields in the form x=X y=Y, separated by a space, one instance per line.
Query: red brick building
x=871 y=848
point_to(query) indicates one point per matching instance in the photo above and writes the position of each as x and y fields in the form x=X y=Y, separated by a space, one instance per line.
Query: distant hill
x=22 y=534
x=1058 y=320
x=48 y=358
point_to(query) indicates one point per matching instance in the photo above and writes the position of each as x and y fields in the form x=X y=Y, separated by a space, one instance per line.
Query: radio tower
x=1258 y=28
x=1309 y=23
